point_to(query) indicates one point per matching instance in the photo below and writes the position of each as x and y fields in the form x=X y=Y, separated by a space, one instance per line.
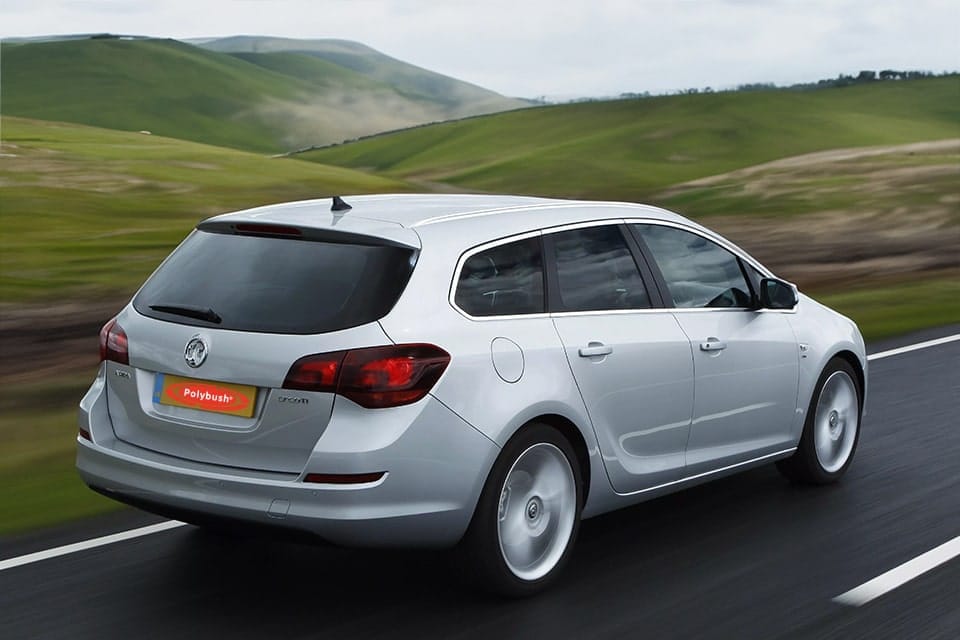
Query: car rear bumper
x=435 y=469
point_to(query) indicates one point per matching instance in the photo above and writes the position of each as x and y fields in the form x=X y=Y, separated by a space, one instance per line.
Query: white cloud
x=559 y=47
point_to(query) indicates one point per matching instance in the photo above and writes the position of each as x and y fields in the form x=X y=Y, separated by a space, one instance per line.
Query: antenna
x=339 y=204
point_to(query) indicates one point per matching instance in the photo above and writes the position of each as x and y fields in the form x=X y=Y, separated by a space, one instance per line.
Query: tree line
x=842 y=80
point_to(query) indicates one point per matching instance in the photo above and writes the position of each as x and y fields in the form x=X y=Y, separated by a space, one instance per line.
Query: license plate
x=217 y=397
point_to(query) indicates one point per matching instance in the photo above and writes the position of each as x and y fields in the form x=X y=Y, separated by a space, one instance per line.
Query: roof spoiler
x=293 y=232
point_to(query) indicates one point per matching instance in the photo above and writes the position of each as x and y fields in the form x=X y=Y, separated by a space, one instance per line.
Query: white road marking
x=172 y=524
x=898 y=576
x=88 y=544
x=913 y=347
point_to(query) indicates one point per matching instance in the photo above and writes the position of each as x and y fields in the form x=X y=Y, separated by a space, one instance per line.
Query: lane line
x=886 y=582
x=172 y=524
x=913 y=347
x=88 y=544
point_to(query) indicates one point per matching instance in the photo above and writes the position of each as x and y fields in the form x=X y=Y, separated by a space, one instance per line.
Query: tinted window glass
x=753 y=276
x=277 y=285
x=698 y=272
x=596 y=271
x=504 y=280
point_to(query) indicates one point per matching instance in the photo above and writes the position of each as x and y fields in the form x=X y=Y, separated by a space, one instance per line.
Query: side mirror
x=777 y=294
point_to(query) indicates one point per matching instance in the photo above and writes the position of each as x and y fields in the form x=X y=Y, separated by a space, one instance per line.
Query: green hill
x=632 y=149
x=90 y=211
x=461 y=98
x=852 y=192
x=257 y=101
x=163 y=86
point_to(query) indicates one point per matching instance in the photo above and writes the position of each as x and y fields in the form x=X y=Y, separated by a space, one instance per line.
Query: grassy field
x=880 y=312
x=865 y=217
x=90 y=212
x=909 y=178
x=633 y=149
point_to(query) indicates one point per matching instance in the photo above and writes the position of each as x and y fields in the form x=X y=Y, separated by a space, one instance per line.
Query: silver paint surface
x=655 y=414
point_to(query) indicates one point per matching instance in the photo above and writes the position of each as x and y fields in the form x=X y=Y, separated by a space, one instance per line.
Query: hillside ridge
x=267 y=101
x=632 y=149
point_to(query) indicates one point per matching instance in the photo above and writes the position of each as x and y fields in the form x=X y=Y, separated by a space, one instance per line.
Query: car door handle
x=713 y=344
x=594 y=349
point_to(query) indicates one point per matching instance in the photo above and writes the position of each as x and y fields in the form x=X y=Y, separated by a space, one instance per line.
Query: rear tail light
x=315 y=373
x=376 y=377
x=113 y=343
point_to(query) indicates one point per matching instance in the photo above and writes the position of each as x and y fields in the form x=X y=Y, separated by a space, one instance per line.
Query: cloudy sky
x=559 y=48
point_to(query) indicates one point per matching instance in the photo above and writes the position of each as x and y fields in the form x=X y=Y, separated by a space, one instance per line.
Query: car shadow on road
x=644 y=558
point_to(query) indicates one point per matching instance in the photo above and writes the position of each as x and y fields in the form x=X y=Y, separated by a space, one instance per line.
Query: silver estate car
x=460 y=370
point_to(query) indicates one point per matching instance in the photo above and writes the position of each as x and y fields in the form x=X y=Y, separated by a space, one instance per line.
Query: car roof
x=472 y=217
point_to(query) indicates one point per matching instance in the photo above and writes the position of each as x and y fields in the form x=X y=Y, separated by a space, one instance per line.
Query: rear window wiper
x=189 y=311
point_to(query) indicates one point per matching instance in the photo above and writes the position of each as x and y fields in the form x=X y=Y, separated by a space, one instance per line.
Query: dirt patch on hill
x=837 y=249
x=822 y=160
x=26 y=167
x=870 y=215
x=38 y=342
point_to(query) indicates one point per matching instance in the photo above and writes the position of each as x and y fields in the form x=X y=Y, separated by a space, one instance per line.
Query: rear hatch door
x=214 y=332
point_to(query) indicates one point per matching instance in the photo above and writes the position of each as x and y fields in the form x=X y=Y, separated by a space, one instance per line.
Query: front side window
x=596 y=271
x=753 y=275
x=503 y=280
x=697 y=271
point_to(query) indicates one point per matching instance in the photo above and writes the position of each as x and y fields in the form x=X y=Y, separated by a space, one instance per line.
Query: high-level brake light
x=268 y=229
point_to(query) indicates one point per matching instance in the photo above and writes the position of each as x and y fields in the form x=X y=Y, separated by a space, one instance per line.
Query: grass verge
x=38 y=424
x=899 y=309
x=45 y=494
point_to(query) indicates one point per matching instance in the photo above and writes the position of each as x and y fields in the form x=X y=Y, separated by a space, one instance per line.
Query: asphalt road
x=744 y=557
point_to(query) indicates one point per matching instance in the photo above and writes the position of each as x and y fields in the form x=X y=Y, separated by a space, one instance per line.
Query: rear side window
x=697 y=271
x=275 y=285
x=596 y=271
x=504 y=280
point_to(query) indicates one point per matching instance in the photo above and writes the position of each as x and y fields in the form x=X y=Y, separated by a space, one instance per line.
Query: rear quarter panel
x=471 y=386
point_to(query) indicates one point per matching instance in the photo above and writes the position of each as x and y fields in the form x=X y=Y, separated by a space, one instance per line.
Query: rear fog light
x=344 y=478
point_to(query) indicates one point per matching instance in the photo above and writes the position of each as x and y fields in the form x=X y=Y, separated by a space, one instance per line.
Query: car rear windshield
x=275 y=285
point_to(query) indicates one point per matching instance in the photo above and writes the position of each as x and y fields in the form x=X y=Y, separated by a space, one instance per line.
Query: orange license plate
x=218 y=397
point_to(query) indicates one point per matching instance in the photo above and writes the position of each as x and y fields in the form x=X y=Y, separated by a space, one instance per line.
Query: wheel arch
x=480 y=549
x=851 y=358
x=573 y=435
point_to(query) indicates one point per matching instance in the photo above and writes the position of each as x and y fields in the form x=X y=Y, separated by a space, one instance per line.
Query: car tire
x=528 y=515
x=831 y=430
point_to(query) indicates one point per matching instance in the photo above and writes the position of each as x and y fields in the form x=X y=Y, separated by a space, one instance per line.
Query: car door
x=746 y=360
x=631 y=361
